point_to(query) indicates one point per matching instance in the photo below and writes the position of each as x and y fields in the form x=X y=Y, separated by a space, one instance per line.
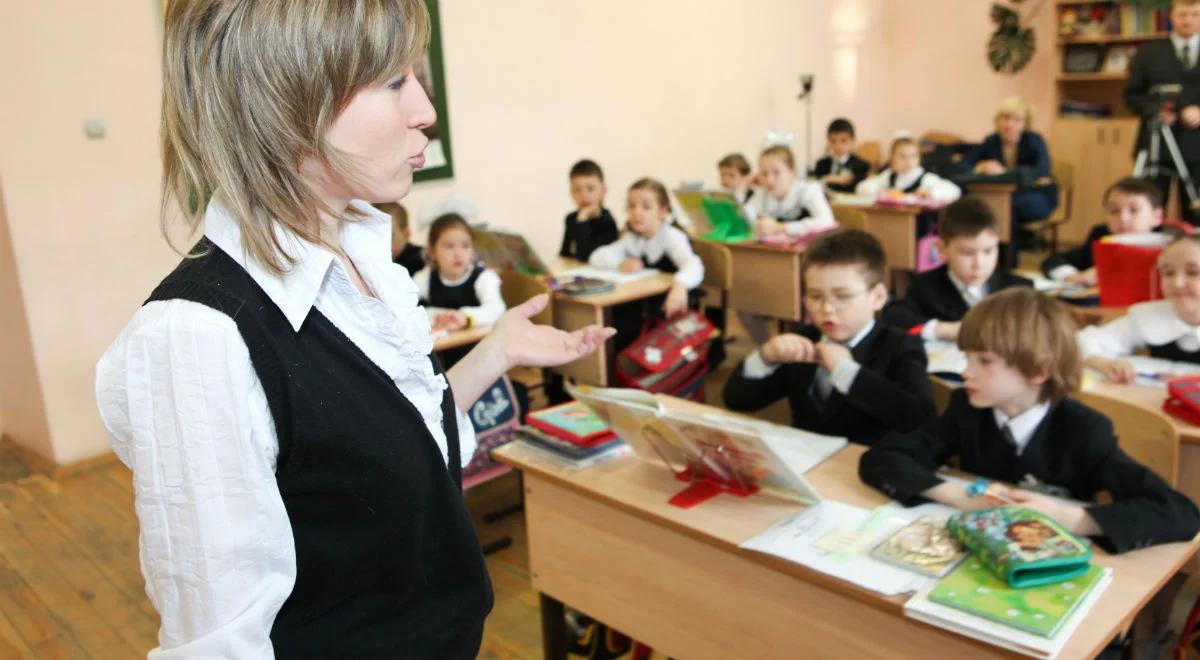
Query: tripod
x=1148 y=164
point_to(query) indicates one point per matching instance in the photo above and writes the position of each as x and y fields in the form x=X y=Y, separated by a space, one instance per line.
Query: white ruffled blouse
x=186 y=412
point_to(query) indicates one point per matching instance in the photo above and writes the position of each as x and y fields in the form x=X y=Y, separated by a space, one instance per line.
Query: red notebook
x=571 y=421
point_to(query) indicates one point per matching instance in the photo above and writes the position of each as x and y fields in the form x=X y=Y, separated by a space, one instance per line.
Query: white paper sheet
x=945 y=358
x=805 y=538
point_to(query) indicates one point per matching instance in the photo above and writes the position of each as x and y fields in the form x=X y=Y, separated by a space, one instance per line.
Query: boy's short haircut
x=848 y=247
x=1032 y=332
x=840 y=125
x=966 y=217
x=1134 y=186
x=398 y=212
x=587 y=167
x=735 y=161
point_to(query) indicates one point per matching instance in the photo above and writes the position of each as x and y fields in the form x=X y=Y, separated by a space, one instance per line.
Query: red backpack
x=671 y=357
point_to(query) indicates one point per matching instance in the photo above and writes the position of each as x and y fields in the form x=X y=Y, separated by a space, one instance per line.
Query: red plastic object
x=705 y=488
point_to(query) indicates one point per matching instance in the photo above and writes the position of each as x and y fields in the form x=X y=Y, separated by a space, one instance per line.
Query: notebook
x=923 y=546
x=571 y=421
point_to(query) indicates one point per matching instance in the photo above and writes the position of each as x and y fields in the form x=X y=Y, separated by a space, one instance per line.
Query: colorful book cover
x=571 y=421
x=565 y=448
x=924 y=546
x=1021 y=546
x=973 y=588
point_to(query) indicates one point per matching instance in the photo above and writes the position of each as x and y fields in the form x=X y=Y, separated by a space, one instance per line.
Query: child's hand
x=1118 y=371
x=1084 y=277
x=948 y=330
x=892 y=193
x=587 y=213
x=788 y=348
x=769 y=225
x=1074 y=518
x=677 y=300
x=450 y=321
x=839 y=179
x=923 y=193
x=631 y=265
x=989 y=167
x=830 y=355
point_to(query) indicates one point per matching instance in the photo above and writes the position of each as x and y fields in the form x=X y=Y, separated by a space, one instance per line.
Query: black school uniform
x=1073 y=448
x=580 y=238
x=453 y=297
x=933 y=295
x=856 y=166
x=890 y=393
x=412 y=257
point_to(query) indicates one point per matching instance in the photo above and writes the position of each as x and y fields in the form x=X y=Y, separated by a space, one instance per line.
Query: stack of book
x=571 y=433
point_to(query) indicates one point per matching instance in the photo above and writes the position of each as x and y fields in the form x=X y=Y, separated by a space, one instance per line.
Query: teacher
x=296 y=449
x=1014 y=148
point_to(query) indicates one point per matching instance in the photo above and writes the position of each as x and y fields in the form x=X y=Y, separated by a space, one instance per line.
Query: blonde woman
x=1013 y=147
x=296 y=451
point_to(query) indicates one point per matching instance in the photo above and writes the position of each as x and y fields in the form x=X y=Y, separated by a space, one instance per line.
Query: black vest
x=916 y=185
x=453 y=297
x=1171 y=351
x=387 y=561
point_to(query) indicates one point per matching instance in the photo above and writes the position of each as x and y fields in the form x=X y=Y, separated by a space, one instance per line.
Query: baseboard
x=45 y=466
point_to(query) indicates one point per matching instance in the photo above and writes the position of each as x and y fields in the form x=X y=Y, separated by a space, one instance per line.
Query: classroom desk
x=896 y=229
x=998 y=198
x=766 y=279
x=605 y=541
x=461 y=337
x=575 y=312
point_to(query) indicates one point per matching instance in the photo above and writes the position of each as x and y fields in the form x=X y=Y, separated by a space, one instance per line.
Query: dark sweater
x=580 y=238
x=1073 y=448
x=932 y=295
x=386 y=555
x=890 y=393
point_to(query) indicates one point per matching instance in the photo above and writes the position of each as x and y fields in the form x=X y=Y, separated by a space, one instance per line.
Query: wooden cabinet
x=1102 y=152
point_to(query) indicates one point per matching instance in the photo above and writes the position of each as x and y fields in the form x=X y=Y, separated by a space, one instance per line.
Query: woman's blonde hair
x=1013 y=105
x=1033 y=333
x=250 y=88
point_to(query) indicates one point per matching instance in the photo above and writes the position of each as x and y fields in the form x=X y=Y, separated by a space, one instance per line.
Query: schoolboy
x=590 y=225
x=841 y=170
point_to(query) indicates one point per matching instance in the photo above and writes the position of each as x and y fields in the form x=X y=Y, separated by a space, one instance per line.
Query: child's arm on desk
x=1103 y=345
x=610 y=256
x=904 y=466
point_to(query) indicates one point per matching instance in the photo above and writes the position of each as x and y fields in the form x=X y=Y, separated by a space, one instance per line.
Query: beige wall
x=657 y=88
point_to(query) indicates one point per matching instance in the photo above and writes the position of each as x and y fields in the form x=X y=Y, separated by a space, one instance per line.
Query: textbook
x=1021 y=546
x=716 y=445
x=924 y=546
x=1035 y=622
x=715 y=215
x=571 y=421
x=570 y=452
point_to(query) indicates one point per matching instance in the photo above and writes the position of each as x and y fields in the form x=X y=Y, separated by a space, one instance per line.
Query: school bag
x=669 y=357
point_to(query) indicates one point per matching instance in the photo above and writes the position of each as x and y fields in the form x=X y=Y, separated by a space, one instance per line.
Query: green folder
x=728 y=224
x=1021 y=546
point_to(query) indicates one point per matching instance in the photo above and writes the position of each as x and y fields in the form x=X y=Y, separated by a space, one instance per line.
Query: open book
x=687 y=437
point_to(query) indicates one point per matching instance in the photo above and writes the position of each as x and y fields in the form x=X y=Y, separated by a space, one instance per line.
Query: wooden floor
x=71 y=587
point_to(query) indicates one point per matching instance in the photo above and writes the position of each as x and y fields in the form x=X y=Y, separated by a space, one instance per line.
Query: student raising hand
x=788 y=348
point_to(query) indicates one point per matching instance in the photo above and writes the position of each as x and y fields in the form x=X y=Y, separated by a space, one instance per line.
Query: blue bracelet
x=978 y=488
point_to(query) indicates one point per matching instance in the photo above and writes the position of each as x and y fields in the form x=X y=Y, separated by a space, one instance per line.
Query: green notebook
x=728 y=224
x=1021 y=546
x=975 y=589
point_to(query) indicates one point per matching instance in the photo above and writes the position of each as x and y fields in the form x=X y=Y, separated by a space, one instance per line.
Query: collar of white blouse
x=365 y=241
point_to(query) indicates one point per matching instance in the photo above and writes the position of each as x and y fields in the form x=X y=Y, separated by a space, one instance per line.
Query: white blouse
x=487 y=289
x=803 y=195
x=669 y=240
x=187 y=413
x=1148 y=323
x=939 y=189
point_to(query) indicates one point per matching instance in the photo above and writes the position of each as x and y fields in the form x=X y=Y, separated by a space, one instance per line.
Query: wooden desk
x=461 y=337
x=998 y=198
x=766 y=280
x=896 y=229
x=575 y=312
x=604 y=540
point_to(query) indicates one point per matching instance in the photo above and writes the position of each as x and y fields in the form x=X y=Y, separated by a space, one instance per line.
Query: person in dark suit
x=1012 y=421
x=938 y=299
x=847 y=374
x=1014 y=148
x=841 y=170
x=1165 y=62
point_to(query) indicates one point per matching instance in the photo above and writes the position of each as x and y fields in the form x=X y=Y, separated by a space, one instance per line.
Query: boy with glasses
x=846 y=374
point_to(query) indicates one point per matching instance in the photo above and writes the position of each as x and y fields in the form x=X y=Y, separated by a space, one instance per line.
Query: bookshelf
x=1093 y=129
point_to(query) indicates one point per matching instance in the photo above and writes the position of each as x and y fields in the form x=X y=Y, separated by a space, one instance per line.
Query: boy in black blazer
x=1012 y=422
x=590 y=225
x=938 y=299
x=847 y=374
x=1131 y=206
x=841 y=170
x=404 y=252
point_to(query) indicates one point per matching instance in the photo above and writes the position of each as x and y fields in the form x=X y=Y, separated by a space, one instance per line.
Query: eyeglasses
x=838 y=300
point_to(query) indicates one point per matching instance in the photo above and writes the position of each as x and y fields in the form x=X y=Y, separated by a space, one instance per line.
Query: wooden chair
x=1146 y=435
x=942 y=138
x=871 y=152
x=850 y=217
x=1064 y=175
x=718 y=276
x=517 y=287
